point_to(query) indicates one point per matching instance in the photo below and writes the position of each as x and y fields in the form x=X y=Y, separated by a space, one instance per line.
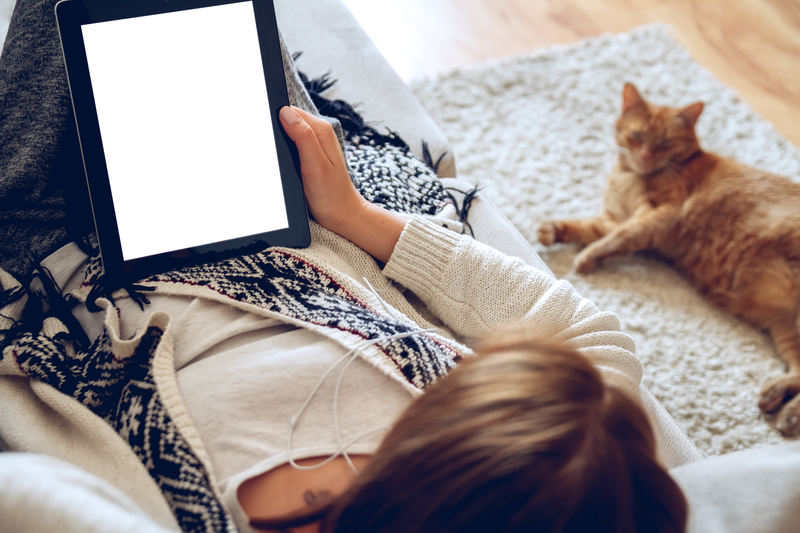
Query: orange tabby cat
x=732 y=230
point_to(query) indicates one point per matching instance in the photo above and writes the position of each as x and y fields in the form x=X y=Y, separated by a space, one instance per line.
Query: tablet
x=176 y=104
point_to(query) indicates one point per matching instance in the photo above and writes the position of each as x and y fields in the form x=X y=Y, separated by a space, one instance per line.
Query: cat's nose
x=646 y=154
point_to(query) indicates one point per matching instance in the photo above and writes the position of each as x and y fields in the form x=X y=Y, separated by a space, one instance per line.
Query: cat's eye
x=636 y=135
x=665 y=142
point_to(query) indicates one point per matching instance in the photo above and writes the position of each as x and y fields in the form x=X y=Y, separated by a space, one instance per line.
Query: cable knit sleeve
x=475 y=289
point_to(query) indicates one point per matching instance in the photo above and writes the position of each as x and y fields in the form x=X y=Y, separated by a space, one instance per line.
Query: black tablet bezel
x=70 y=15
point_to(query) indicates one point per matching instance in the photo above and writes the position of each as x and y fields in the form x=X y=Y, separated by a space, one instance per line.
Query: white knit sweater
x=468 y=290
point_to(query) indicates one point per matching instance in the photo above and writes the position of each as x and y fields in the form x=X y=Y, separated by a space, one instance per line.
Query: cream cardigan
x=435 y=278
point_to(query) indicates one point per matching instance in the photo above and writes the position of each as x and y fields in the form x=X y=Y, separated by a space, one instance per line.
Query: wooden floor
x=751 y=45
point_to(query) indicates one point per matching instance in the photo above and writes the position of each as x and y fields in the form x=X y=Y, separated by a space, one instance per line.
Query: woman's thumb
x=302 y=133
x=288 y=116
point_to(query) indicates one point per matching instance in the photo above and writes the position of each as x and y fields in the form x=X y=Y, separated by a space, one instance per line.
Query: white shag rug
x=537 y=133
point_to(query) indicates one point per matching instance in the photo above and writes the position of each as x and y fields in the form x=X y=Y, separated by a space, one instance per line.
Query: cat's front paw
x=777 y=391
x=585 y=262
x=788 y=420
x=548 y=232
x=780 y=395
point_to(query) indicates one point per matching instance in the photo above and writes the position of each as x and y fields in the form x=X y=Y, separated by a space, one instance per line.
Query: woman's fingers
x=332 y=199
x=312 y=134
x=299 y=130
x=325 y=136
x=329 y=192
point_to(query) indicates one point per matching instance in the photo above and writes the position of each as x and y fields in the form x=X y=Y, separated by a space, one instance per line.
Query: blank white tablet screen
x=186 y=129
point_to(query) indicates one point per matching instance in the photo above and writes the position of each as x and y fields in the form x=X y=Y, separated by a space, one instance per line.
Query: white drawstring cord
x=343 y=447
x=336 y=415
x=386 y=307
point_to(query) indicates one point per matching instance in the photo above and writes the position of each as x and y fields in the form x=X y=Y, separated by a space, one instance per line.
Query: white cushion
x=6 y=8
x=750 y=491
x=41 y=493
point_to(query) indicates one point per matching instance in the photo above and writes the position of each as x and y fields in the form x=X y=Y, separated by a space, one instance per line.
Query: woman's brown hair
x=523 y=437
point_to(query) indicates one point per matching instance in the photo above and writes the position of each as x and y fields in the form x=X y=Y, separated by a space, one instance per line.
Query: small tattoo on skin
x=313 y=498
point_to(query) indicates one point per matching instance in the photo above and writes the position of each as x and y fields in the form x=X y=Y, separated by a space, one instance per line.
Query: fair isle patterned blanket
x=122 y=389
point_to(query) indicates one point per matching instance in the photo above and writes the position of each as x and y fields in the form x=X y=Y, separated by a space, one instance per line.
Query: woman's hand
x=330 y=194
x=332 y=199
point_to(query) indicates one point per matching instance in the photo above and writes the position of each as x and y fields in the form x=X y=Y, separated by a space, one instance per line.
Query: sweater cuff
x=422 y=255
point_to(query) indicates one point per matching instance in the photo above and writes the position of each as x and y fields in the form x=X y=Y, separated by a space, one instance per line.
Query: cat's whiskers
x=668 y=169
x=680 y=169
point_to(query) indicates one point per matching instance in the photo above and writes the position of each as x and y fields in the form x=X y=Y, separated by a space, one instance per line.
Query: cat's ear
x=690 y=114
x=631 y=99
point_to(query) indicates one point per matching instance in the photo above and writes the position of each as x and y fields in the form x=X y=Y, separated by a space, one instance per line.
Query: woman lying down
x=313 y=428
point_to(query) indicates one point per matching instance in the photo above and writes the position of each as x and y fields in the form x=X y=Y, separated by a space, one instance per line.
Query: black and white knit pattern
x=93 y=377
x=382 y=166
x=393 y=177
x=124 y=393
x=280 y=282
